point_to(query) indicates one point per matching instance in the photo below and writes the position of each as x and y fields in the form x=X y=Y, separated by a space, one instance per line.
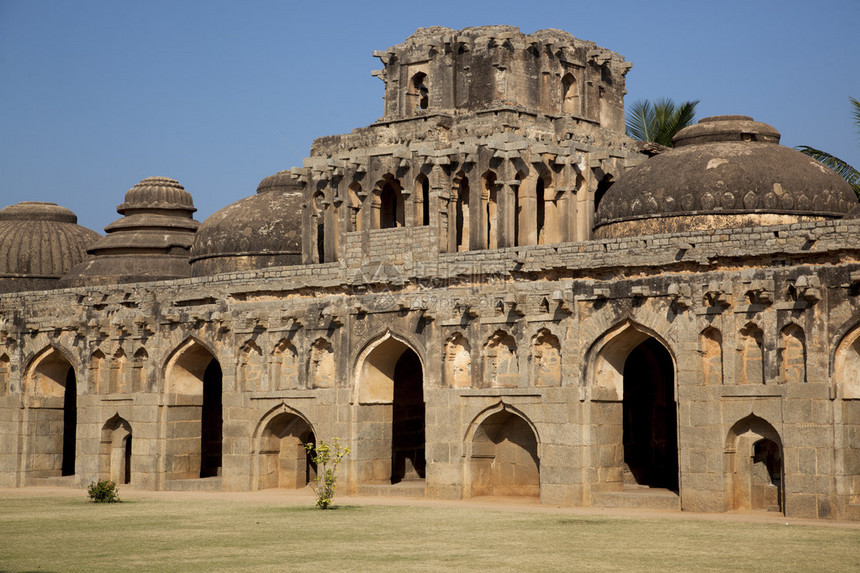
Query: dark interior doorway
x=212 y=421
x=407 y=443
x=650 y=418
x=70 y=423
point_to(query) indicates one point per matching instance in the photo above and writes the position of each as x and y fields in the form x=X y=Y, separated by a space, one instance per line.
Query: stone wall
x=522 y=346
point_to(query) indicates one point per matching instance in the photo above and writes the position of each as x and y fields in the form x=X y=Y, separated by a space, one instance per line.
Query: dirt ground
x=305 y=496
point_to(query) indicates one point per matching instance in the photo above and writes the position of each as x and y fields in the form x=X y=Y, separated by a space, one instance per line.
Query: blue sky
x=96 y=95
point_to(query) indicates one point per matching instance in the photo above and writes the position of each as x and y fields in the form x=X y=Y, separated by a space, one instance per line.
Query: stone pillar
x=528 y=209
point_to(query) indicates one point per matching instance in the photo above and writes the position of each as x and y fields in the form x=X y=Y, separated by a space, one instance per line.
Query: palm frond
x=640 y=121
x=842 y=168
x=660 y=120
x=856 y=113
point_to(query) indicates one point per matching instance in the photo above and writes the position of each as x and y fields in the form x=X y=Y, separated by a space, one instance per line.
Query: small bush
x=327 y=457
x=103 y=492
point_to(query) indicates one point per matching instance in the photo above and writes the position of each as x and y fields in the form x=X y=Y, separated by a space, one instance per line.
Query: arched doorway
x=754 y=466
x=194 y=418
x=634 y=394
x=650 y=418
x=53 y=415
x=115 y=451
x=391 y=407
x=504 y=459
x=284 y=461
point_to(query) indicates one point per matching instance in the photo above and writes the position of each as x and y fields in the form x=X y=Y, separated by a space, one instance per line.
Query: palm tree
x=659 y=121
x=848 y=173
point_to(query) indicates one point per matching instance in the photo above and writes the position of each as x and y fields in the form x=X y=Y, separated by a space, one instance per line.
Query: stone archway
x=115 y=451
x=754 y=466
x=650 y=417
x=284 y=461
x=193 y=419
x=634 y=392
x=504 y=457
x=51 y=388
x=390 y=385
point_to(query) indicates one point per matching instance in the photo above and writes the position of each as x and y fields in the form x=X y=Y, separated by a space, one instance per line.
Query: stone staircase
x=638 y=497
x=199 y=484
x=403 y=489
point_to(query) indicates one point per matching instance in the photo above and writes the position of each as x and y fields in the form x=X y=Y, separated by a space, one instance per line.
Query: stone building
x=489 y=291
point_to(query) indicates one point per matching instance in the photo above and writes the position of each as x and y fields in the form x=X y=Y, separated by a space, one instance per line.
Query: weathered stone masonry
x=428 y=290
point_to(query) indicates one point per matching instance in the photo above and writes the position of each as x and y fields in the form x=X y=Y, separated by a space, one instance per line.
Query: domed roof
x=260 y=231
x=39 y=242
x=157 y=193
x=151 y=242
x=726 y=171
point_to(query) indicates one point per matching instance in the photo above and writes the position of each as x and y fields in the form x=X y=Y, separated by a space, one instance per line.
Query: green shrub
x=326 y=457
x=103 y=492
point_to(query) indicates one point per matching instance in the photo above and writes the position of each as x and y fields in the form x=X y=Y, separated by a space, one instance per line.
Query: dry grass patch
x=68 y=534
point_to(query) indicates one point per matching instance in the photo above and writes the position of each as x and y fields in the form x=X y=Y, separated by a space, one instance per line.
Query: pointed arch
x=282 y=459
x=570 y=101
x=846 y=364
x=116 y=375
x=420 y=92
x=711 y=348
x=140 y=362
x=285 y=366
x=97 y=372
x=754 y=466
x=390 y=385
x=750 y=364
x=194 y=418
x=633 y=376
x=115 y=450
x=355 y=199
x=546 y=359
x=251 y=367
x=389 y=203
x=51 y=383
x=503 y=454
x=792 y=355
x=5 y=373
x=321 y=372
x=458 y=361
x=500 y=361
x=421 y=195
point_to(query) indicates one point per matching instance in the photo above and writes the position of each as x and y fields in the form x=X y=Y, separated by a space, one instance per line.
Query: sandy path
x=305 y=496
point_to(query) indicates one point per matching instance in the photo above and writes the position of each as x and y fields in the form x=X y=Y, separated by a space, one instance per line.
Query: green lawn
x=70 y=534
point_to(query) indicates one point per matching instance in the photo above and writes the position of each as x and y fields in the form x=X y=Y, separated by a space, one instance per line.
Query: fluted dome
x=151 y=242
x=726 y=171
x=260 y=231
x=39 y=243
x=157 y=193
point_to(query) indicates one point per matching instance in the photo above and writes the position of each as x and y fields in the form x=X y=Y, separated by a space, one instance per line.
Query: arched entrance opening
x=754 y=466
x=193 y=419
x=52 y=385
x=284 y=461
x=504 y=459
x=634 y=393
x=391 y=208
x=391 y=405
x=115 y=451
x=650 y=418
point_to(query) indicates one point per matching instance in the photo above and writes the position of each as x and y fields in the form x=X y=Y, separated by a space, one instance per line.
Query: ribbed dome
x=152 y=242
x=157 y=193
x=724 y=172
x=39 y=242
x=260 y=231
